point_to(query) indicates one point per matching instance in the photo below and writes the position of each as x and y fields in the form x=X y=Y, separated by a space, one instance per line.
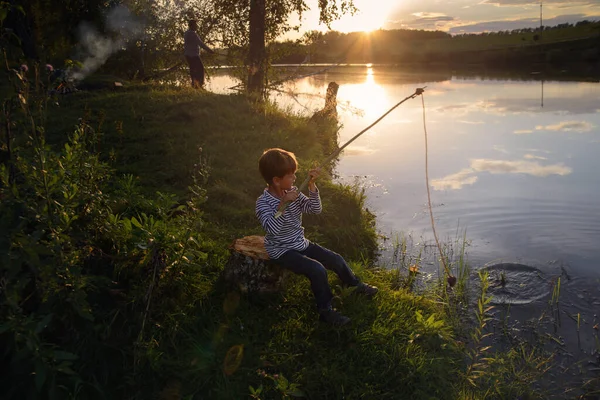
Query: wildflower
x=49 y=68
x=24 y=67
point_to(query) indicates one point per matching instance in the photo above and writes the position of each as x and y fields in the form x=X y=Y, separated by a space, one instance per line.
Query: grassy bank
x=117 y=228
x=158 y=135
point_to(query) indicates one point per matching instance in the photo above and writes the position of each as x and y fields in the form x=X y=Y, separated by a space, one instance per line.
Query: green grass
x=385 y=351
x=159 y=134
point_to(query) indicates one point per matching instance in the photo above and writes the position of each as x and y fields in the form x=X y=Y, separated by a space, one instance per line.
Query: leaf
x=43 y=323
x=296 y=393
x=419 y=316
x=40 y=375
x=136 y=223
x=3 y=14
x=65 y=369
x=431 y=319
x=64 y=355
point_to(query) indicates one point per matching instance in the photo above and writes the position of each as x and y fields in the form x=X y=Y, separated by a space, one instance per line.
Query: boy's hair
x=276 y=163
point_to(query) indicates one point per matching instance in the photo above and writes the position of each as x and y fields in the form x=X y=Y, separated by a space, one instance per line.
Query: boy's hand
x=314 y=174
x=290 y=196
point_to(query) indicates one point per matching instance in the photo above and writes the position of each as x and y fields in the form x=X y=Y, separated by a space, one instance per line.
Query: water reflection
x=521 y=178
x=468 y=176
x=567 y=126
x=368 y=96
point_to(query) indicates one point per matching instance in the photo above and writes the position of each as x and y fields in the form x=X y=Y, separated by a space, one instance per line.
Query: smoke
x=95 y=48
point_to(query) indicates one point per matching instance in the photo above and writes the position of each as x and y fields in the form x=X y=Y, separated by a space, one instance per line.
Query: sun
x=367 y=19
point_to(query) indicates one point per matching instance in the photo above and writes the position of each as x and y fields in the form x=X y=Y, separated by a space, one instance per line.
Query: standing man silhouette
x=191 y=49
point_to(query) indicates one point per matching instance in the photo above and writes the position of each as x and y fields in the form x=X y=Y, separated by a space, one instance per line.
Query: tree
x=47 y=29
x=251 y=24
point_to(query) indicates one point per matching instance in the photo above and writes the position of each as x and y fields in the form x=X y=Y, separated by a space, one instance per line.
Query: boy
x=191 y=50
x=285 y=242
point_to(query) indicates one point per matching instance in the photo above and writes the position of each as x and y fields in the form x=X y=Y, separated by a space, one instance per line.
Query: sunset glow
x=459 y=16
x=368 y=96
x=367 y=19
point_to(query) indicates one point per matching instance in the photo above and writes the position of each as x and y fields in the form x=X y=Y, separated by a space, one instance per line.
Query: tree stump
x=329 y=111
x=250 y=269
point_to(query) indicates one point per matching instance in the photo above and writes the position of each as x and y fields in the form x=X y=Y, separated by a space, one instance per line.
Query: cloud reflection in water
x=468 y=176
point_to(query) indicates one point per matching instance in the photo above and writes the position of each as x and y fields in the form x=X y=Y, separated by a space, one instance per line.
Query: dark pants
x=196 y=71
x=314 y=263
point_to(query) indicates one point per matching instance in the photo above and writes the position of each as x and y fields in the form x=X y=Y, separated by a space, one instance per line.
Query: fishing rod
x=451 y=279
x=333 y=155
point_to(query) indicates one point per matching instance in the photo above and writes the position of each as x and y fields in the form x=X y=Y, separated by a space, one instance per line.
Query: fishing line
x=450 y=278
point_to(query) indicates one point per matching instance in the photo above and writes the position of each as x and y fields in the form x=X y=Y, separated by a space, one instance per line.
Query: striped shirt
x=286 y=232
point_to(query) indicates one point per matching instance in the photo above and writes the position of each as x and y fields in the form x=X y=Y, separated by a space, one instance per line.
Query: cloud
x=468 y=176
x=586 y=103
x=501 y=149
x=561 y=3
x=428 y=15
x=534 y=157
x=568 y=126
x=358 y=151
x=453 y=107
x=423 y=20
x=456 y=109
x=522 y=131
x=462 y=121
x=502 y=25
x=455 y=181
x=518 y=167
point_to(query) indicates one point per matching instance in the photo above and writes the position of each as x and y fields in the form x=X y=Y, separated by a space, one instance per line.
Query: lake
x=513 y=162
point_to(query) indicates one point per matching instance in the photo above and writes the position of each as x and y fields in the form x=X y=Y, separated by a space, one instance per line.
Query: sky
x=455 y=16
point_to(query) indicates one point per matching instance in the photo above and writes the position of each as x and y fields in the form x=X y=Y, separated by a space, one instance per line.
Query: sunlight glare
x=369 y=18
x=368 y=96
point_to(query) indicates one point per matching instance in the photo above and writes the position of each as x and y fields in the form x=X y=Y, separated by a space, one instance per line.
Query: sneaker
x=333 y=317
x=366 y=289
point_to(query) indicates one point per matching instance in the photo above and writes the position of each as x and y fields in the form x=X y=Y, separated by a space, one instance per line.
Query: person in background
x=191 y=49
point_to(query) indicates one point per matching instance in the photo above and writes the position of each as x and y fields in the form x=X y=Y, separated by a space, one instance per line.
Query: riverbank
x=117 y=236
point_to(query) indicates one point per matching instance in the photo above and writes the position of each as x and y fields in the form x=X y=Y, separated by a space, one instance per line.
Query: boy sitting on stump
x=284 y=240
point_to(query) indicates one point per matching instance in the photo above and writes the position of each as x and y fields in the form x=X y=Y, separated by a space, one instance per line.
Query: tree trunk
x=249 y=268
x=257 y=57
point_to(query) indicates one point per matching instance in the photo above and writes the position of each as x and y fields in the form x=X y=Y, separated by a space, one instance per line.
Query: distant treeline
x=558 y=45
